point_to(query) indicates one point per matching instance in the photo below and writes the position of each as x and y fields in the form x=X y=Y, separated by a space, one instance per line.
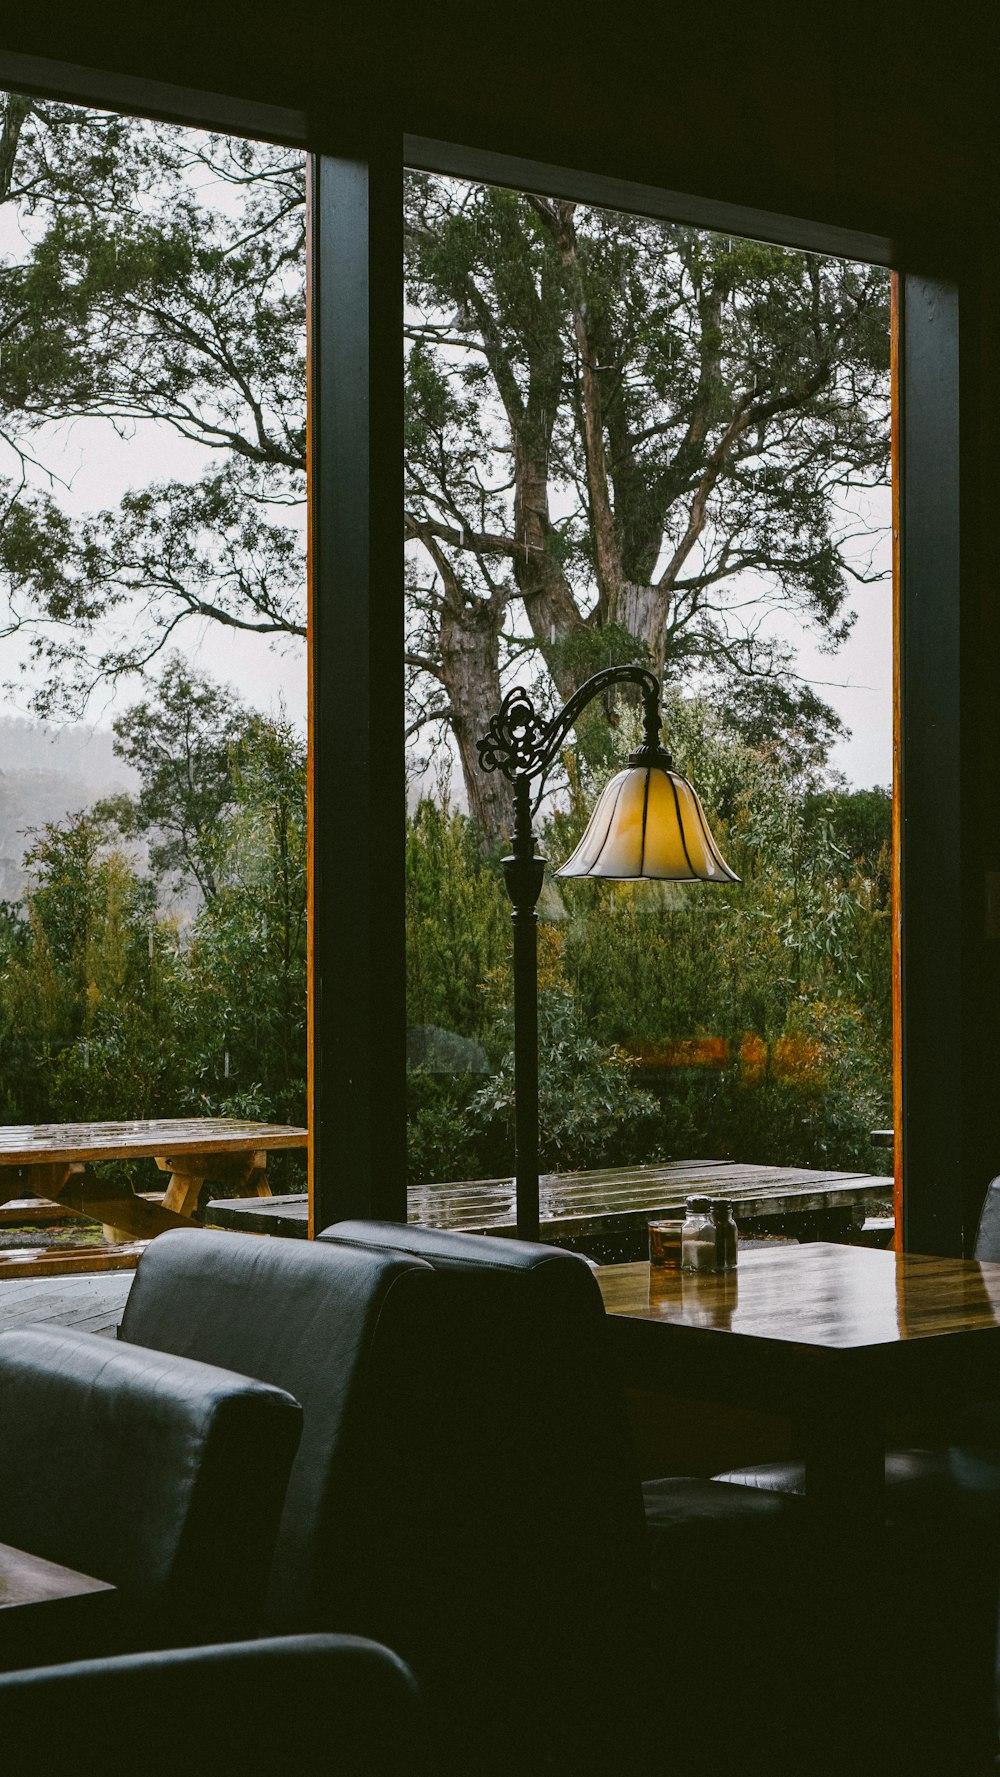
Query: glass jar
x=698 y=1244
x=725 y=1235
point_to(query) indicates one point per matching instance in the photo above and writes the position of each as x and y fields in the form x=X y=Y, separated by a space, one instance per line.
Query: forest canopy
x=625 y=439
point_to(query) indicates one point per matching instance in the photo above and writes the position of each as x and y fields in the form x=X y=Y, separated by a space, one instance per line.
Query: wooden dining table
x=837 y=1338
x=55 y=1161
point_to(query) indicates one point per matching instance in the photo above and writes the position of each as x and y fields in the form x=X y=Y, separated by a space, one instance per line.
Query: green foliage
x=108 y=1008
x=457 y=925
x=590 y=1110
x=111 y=1009
x=181 y=742
x=791 y=971
x=822 y=1118
x=246 y=963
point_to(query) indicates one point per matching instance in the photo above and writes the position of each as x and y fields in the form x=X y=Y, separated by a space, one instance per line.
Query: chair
x=163 y=1477
x=341 y=1331
x=464 y=1490
x=311 y=1705
x=607 y=1591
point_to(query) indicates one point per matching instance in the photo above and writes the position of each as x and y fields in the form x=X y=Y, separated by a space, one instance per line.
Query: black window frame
x=357 y=798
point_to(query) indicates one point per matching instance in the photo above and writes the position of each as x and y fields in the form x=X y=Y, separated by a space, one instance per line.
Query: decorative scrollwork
x=520 y=744
x=514 y=741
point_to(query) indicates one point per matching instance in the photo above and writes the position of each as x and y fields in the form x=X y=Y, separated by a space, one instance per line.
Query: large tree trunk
x=640 y=608
x=545 y=592
x=470 y=673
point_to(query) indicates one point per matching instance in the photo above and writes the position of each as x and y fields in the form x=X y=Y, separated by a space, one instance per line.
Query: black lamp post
x=648 y=823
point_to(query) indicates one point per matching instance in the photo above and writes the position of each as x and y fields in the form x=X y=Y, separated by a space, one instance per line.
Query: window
x=630 y=439
x=357 y=1046
x=152 y=283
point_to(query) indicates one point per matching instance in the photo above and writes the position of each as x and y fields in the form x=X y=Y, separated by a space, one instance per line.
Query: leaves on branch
x=639 y=427
x=162 y=281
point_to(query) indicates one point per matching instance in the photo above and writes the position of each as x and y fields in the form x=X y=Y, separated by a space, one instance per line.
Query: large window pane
x=634 y=441
x=152 y=476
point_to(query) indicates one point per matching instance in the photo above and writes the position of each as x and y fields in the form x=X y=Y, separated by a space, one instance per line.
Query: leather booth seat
x=350 y=1335
x=310 y=1705
x=607 y=1596
x=392 y=1506
x=920 y=1483
x=164 y=1477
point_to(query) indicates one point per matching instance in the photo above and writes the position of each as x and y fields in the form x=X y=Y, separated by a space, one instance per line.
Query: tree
x=163 y=280
x=247 y=959
x=87 y=986
x=625 y=439
x=182 y=744
x=111 y=1008
x=613 y=424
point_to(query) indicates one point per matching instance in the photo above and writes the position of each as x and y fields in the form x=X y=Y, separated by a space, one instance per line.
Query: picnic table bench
x=55 y=1161
x=607 y=1211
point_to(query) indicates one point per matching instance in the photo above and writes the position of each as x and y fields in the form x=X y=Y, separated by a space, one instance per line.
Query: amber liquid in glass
x=665 y=1245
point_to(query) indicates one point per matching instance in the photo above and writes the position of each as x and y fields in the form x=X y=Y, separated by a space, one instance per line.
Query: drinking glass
x=665 y=1244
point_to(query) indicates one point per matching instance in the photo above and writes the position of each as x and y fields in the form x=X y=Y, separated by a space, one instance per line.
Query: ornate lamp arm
x=521 y=745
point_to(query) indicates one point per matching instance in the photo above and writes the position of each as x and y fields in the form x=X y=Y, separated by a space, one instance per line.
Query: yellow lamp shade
x=649 y=823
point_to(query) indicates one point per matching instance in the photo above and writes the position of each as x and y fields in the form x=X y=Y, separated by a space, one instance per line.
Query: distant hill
x=45 y=774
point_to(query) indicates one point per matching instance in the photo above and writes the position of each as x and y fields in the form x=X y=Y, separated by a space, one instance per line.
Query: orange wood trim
x=897 y=1052
x=310 y=709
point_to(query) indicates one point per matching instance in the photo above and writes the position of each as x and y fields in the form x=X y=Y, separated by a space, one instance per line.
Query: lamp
x=648 y=824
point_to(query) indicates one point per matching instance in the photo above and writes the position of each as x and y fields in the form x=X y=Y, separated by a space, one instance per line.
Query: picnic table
x=607 y=1211
x=54 y=1162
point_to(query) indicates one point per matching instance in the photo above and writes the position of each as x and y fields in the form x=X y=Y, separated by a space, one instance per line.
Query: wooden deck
x=92 y=1304
x=608 y=1211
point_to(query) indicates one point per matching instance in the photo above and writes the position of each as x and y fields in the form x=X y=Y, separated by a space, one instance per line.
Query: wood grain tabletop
x=32 y=1144
x=824 y=1295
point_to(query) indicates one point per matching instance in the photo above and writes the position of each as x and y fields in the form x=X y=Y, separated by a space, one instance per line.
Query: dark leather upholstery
x=310 y=1706
x=164 y=1477
x=345 y=1332
x=425 y=1508
x=917 y=1481
x=565 y=1527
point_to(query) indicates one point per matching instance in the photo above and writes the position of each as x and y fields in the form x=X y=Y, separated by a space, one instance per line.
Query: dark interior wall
x=877 y=116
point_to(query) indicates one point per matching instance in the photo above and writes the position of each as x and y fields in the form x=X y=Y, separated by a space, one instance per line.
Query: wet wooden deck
x=92 y=1304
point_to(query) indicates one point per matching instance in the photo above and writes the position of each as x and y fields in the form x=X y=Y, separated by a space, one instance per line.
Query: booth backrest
x=162 y=1476
x=556 y=1522
x=345 y=1332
